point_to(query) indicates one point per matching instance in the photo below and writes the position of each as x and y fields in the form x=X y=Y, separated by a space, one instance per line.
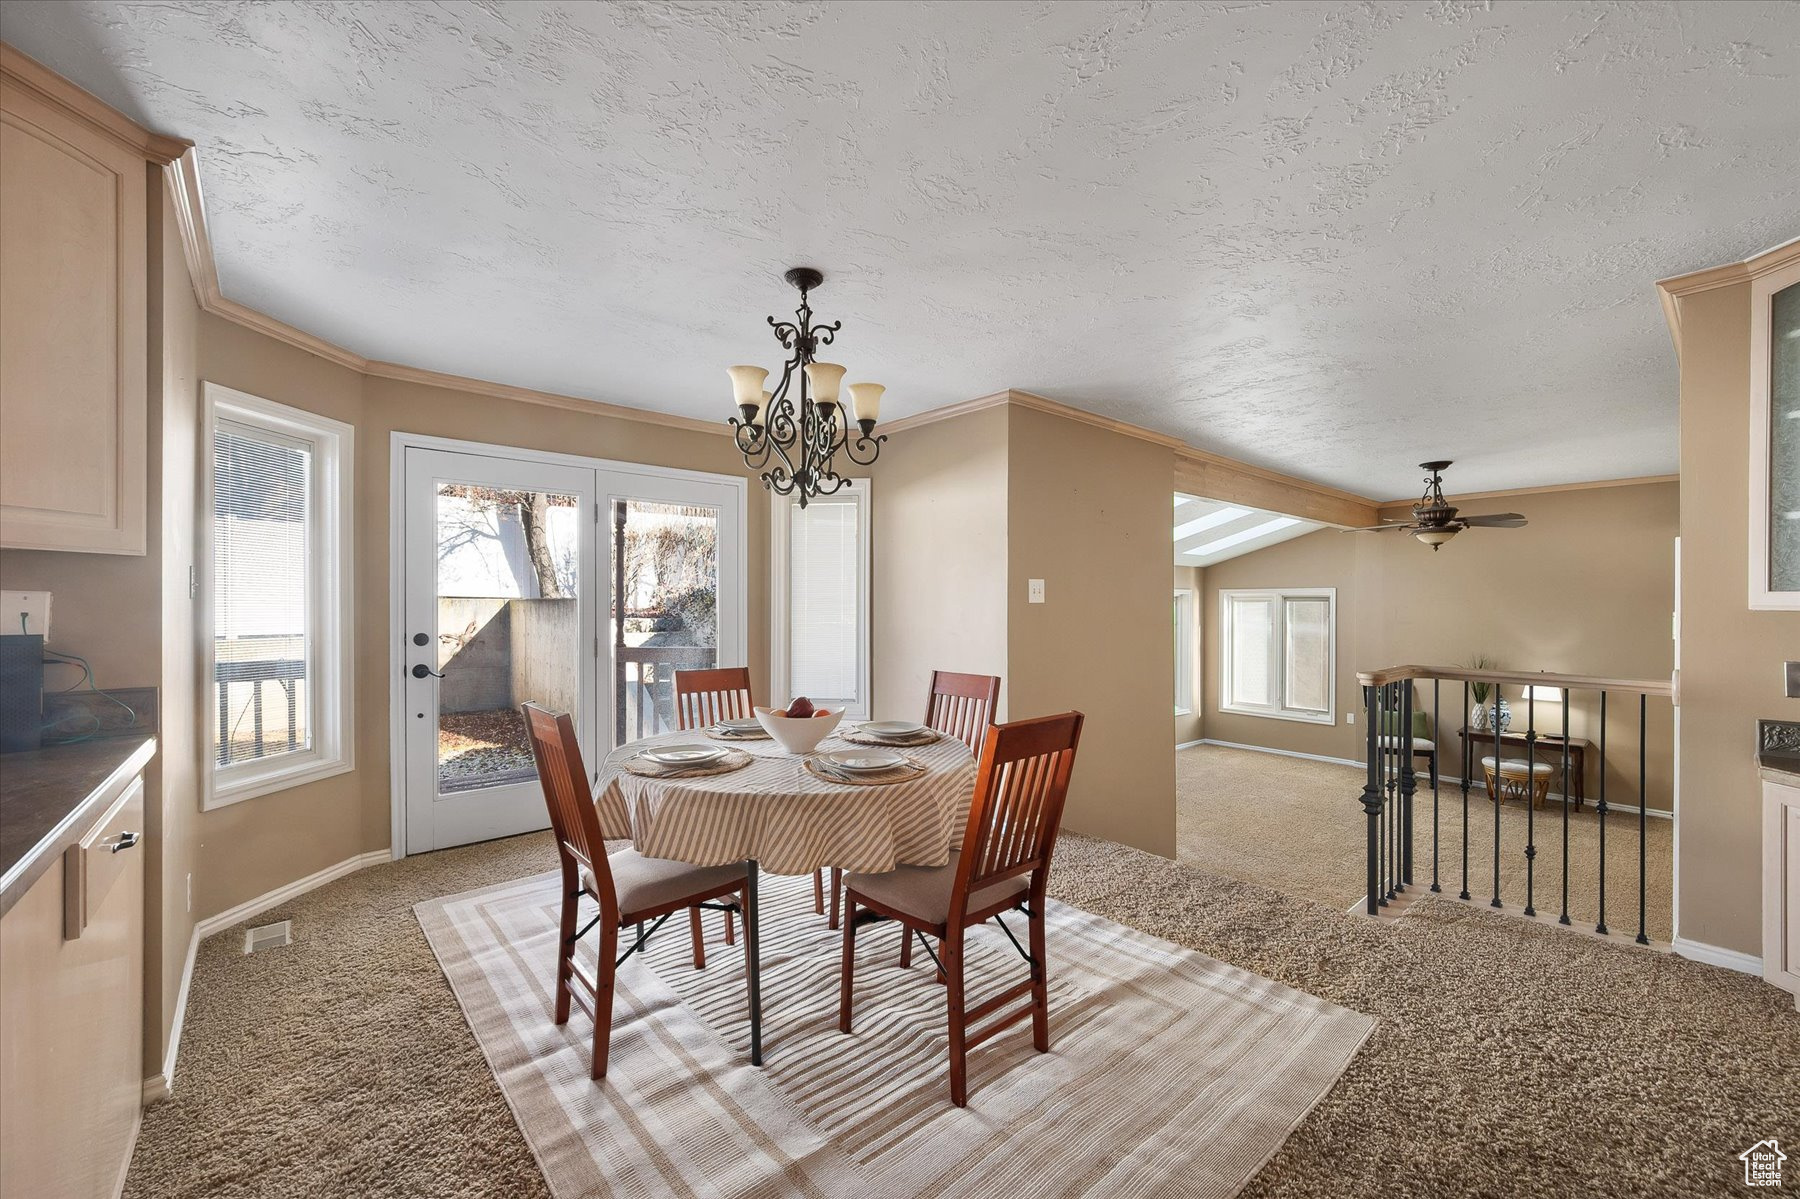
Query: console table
x=1549 y=747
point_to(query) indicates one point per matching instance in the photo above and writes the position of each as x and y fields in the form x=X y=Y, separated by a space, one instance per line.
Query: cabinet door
x=71 y=1031
x=72 y=333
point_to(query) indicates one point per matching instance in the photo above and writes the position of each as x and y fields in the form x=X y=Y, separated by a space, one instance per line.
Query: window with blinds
x=1280 y=653
x=261 y=512
x=822 y=620
x=278 y=579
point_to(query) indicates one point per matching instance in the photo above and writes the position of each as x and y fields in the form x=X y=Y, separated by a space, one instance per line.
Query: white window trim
x=779 y=539
x=1762 y=294
x=1184 y=652
x=1278 y=642
x=331 y=583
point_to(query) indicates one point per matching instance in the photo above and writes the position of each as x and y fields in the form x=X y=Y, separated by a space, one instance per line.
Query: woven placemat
x=638 y=764
x=900 y=774
x=857 y=737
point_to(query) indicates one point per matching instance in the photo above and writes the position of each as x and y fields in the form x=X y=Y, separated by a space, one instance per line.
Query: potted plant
x=1483 y=716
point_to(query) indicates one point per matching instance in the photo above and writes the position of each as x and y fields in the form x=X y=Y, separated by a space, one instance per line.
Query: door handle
x=423 y=671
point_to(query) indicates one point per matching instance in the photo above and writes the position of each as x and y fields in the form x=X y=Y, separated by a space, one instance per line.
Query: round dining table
x=777 y=815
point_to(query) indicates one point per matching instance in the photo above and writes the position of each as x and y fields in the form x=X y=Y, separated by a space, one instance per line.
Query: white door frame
x=732 y=565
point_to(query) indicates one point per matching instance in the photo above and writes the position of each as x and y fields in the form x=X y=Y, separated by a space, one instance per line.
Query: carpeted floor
x=1297 y=825
x=1509 y=1060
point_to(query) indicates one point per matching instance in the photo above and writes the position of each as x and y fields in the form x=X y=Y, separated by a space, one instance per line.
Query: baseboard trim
x=1181 y=745
x=159 y=1087
x=1714 y=955
x=280 y=895
x=1285 y=753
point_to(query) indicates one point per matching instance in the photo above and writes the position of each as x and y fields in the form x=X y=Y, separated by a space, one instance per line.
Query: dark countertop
x=50 y=798
x=1779 y=767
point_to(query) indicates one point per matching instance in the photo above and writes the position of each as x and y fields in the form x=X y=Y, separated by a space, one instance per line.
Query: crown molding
x=1464 y=496
x=29 y=75
x=1672 y=289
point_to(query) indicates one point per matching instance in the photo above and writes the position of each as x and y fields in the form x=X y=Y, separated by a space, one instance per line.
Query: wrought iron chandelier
x=803 y=438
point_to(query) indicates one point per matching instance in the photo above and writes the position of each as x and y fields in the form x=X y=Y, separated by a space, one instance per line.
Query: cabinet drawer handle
x=122 y=841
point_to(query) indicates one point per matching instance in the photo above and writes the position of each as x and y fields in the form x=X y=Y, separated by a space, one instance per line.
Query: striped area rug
x=1169 y=1073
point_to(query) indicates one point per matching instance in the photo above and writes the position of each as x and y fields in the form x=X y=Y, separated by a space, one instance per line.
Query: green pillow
x=1391 y=721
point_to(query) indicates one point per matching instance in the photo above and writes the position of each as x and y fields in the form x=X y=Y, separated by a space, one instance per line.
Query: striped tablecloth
x=787 y=819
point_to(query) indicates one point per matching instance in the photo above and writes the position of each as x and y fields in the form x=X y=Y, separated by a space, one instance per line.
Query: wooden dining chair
x=963 y=705
x=630 y=889
x=1004 y=864
x=705 y=697
x=958 y=705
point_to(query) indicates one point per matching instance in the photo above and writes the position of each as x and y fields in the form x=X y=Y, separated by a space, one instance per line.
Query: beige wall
x=1192 y=726
x=174 y=352
x=1587 y=587
x=1088 y=512
x=1730 y=656
x=939 y=535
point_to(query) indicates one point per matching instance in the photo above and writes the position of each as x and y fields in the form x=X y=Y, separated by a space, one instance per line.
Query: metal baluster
x=1409 y=783
x=1371 y=800
x=1387 y=811
x=1600 y=811
x=1435 y=726
x=1530 y=800
x=1468 y=744
x=1393 y=794
x=1494 y=719
x=1564 y=918
x=1643 y=811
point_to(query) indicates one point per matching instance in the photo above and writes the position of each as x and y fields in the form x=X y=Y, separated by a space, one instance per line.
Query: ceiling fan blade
x=1498 y=520
x=1379 y=528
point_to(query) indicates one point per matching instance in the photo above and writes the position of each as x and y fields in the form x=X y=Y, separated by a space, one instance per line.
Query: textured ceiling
x=1333 y=239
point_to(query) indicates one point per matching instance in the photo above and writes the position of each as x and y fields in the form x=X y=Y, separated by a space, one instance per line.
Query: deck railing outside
x=1392 y=782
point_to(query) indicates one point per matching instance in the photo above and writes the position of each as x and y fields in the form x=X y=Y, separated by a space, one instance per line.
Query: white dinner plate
x=684 y=755
x=739 y=726
x=893 y=728
x=863 y=761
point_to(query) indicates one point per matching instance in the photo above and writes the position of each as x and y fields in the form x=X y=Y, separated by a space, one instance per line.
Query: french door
x=580 y=587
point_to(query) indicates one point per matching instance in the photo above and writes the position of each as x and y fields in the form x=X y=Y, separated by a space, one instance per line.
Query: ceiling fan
x=1435 y=520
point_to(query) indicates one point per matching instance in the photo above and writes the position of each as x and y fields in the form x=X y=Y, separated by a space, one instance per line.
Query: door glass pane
x=1784 y=440
x=1251 y=629
x=1309 y=655
x=665 y=618
x=507 y=626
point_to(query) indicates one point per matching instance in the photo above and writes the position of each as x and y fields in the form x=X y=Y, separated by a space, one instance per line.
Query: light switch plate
x=1791 y=673
x=1034 y=591
x=25 y=612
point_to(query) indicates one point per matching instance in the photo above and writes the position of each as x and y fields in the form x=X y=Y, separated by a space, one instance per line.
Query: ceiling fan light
x=1435 y=537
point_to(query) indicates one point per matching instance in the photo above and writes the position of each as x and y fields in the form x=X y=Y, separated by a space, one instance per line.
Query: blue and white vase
x=1499 y=714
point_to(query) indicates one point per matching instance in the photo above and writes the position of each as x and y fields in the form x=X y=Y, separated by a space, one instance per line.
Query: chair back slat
x=705 y=697
x=574 y=819
x=962 y=705
x=1020 y=787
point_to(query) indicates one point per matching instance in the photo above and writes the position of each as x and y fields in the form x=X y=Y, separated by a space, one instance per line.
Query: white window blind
x=824 y=598
x=1280 y=656
x=261 y=517
x=821 y=634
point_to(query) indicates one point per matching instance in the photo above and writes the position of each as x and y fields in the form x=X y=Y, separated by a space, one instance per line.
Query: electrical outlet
x=1034 y=591
x=25 y=612
x=190 y=891
x=1349 y=717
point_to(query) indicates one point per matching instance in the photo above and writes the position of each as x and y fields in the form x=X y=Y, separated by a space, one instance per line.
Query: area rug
x=1169 y=1073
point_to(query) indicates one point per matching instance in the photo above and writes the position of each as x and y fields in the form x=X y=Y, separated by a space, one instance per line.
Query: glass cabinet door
x=1775 y=441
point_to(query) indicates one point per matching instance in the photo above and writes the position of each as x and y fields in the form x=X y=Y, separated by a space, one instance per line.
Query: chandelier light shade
x=793 y=434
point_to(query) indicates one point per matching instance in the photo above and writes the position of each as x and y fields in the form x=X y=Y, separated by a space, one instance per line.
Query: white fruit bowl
x=798 y=736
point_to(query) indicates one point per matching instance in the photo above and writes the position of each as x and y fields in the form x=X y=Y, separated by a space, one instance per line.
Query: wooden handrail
x=1514 y=678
